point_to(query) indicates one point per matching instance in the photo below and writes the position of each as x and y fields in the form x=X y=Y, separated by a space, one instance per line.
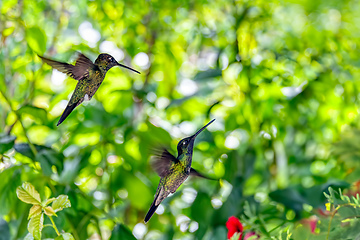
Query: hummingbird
x=173 y=171
x=89 y=75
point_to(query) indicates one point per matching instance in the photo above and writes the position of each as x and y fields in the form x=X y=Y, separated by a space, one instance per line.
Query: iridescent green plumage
x=173 y=171
x=89 y=75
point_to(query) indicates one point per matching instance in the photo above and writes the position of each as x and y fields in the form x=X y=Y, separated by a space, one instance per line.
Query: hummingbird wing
x=193 y=172
x=78 y=72
x=162 y=163
x=76 y=99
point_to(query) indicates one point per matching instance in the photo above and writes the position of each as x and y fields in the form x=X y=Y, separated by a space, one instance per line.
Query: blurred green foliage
x=281 y=79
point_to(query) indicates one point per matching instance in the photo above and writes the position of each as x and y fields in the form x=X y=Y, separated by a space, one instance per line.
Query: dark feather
x=151 y=211
x=82 y=66
x=193 y=172
x=162 y=162
x=69 y=108
x=79 y=71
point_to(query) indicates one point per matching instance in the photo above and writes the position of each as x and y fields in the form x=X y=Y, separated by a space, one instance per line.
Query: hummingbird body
x=173 y=171
x=89 y=75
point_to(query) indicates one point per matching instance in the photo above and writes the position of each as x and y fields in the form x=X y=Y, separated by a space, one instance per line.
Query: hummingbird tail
x=151 y=211
x=67 y=111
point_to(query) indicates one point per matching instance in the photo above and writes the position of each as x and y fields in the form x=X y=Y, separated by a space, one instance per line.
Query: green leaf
x=29 y=237
x=45 y=163
x=49 y=211
x=24 y=149
x=48 y=201
x=4 y=230
x=36 y=225
x=65 y=236
x=211 y=73
x=34 y=211
x=122 y=232
x=36 y=112
x=28 y=194
x=60 y=203
x=36 y=39
x=6 y=142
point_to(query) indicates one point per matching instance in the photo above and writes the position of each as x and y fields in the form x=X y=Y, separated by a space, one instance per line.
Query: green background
x=279 y=77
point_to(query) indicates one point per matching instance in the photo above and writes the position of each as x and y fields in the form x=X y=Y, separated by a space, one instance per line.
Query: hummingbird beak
x=193 y=136
x=120 y=65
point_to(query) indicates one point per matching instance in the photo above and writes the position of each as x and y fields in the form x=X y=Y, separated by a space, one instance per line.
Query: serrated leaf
x=36 y=39
x=36 y=225
x=28 y=194
x=49 y=211
x=65 y=236
x=6 y=142
x=34 y=211
x=29 y=237
x=61 y=202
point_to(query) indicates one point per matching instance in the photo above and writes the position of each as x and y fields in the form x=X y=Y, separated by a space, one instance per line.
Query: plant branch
x=54 y=226
x=32 y=147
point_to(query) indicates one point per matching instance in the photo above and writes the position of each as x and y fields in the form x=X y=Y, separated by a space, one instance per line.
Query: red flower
x=234 y=225
x=311 y=222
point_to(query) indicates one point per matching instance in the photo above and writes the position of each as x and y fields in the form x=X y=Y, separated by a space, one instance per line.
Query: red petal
x=234 y=225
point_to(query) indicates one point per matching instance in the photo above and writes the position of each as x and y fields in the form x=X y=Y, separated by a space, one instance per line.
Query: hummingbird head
x=186 y=145
x=106 y=61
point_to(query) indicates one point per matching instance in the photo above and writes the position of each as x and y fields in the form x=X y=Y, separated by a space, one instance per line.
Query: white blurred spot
x=193 y=226
x=265 y=135
x=183 y=222
x=293 y=91
x=139 y=230
x=189 y=195
x=225 y=190
x=142 y=60
x=111 y=48
x=99 y=195
x=57 y=78
x=123 y=193
x=112 y=159
x=274 y=130
x=231 y=142
x=89 y=34
x=187 y=87
x=181 y=219
x=58 y=108
x=86 y=97
x=162 y=102
x=257 y=59
x=151 y=97
x=260 y=196
x=188 y=128
x=224 y=60
x=228 y=103
x=216 y=203
x=332 y=20
x=160 y=210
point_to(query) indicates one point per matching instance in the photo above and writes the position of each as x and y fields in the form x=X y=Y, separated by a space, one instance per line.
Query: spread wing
x=78 y=72
x=161 y=163
x=193 y=172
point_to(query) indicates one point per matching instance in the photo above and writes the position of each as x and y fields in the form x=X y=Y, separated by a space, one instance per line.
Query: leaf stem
x=332 y=216
x=54 y=226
